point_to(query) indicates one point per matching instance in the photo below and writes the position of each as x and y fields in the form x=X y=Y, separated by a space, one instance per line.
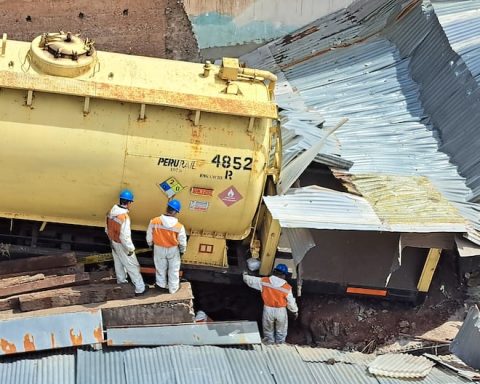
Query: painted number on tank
x=235 y=162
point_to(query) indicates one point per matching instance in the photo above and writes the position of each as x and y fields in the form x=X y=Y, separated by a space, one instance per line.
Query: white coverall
x=123 y=263
x=274 y=320
x=167 y=260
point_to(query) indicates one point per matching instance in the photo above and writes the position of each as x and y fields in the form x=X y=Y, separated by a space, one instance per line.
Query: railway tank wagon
x=77 y=125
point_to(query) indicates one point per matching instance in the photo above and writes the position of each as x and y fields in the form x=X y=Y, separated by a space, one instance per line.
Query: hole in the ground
x=227 y=302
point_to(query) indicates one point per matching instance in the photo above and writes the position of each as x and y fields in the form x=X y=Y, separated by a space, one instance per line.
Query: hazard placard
x=230 y=196
x=170 y=187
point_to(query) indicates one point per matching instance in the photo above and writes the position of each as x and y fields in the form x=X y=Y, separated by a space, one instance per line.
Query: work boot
x=144 y=292
x=160 y=289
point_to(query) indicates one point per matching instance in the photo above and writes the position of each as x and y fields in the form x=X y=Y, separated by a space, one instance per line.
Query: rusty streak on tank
x=7 y=347
x=76 y=340
x=29 y=343
x=98 y=333
x=52 y=340
x=138 y=95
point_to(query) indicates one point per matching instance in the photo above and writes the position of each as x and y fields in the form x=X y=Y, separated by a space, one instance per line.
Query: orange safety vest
x=113 y=226
x=272 y=296
x=165 y=236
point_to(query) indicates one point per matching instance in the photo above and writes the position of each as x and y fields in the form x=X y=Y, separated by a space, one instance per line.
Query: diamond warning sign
x=171 y=187
x=230 y=196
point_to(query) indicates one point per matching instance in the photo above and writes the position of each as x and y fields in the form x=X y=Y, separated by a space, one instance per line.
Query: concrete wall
x=218 y=23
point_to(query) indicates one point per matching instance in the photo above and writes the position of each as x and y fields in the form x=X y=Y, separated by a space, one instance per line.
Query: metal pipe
x=250 y=72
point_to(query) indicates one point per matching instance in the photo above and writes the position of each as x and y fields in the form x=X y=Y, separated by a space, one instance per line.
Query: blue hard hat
x=175 y=205
x=282 y=268
x=126 y=195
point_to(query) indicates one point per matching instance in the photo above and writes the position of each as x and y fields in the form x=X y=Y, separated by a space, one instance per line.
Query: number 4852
x=235 y=162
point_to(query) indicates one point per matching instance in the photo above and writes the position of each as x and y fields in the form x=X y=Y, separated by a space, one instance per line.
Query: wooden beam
x=429 y=269
x=71 y=270
x=37 y=263
x=94 y=293
x=46 y=283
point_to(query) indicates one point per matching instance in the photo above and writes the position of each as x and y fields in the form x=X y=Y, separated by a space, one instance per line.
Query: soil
x=347 y=322
x=158 y=28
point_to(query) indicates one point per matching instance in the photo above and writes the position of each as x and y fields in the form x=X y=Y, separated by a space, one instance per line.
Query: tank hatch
x=62 y=54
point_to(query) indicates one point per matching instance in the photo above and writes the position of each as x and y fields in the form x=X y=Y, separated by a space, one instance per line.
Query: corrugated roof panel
x=401 y=366
x=249 y=366
x=317 y=208
x=149 y=366
x=205 y=364
x=461 y=22
x=370 y=82
x=100 y=367
x=436 y=376
x=445 y=65
x=19 y=372
x=466 y=344
x=55 y=369
x=408 y=201
x=287 y=366
x=348 y=373
x=309 y=354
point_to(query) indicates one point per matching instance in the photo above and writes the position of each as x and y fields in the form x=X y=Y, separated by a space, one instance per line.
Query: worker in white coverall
x=170 y=243
x=277 y=297
x=123 y=250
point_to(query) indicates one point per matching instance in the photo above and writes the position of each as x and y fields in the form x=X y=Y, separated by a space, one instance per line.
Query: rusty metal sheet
x=50 y=332
x=224 y=104
x=219 y=333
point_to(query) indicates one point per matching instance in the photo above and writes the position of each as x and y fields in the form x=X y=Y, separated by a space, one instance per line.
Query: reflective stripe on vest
x=164 y=236
x=272 y=296
x=114 y=224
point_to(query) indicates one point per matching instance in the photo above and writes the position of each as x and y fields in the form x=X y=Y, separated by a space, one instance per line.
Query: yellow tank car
x=77 y=125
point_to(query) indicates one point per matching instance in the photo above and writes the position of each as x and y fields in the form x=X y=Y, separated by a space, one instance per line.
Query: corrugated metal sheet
x=444 y=62
x=436 y=376
x=149 y=366
x=286 y=365
x=249 y=365
x=19 y=372
x=54 y=369
x=343 y=67
x=204 y=364
x=466 y=344
x=100 y=367
x=316 y=355
x=48 y=332
x=220 y=333
x=461 y=22
x=318 y=208
x=301 y=241
x=400 y=366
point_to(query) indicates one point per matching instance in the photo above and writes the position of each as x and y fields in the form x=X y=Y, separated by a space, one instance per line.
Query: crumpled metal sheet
x=466 y=344
x=400 y=366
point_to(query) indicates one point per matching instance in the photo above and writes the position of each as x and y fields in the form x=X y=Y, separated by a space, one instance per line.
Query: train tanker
x=78 y=125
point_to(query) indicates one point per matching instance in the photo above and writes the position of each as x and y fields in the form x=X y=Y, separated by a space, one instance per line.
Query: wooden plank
x=71 y=270
x=37 y=263
x=429 y=269
x=93 y=293
x=48 y=282
x=7 y=282
x=9 y=303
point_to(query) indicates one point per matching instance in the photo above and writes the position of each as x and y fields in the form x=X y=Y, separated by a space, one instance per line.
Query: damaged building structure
x=399 y=181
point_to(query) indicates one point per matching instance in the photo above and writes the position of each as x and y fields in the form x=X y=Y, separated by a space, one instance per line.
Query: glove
x=295 y=316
